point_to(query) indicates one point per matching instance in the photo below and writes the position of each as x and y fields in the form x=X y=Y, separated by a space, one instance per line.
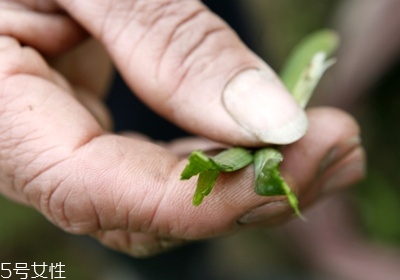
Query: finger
x=25 y=60
x=32 y=107
x=324 y=161
x=45 y=27
x=41 y=25
x=190 y=67
x=17 y=60
x=340 y=166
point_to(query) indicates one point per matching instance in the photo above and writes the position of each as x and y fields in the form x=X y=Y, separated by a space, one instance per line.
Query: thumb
x=190 y=67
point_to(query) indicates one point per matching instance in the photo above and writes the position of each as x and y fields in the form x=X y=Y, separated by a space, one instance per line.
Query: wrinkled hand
x=188 y=66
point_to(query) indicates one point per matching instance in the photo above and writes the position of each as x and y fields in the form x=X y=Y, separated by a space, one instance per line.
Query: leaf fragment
x=208 y=168
x=325 y=41
x=233 y=159
x=309 y=78
x=269 y=181
x=198 y=163
x=205 y=184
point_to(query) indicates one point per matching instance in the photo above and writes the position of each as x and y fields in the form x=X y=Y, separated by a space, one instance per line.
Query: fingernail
x=261 y=105
x=265 y=212
x=169 y=243
x=151 y=248
x=339 y=152
x=143 y=250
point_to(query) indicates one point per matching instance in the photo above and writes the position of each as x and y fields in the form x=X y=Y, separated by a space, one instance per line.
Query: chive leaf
x=198 y=163
x=233 y=159
x=205 y=184
x=208 y=168
x=324 y=40
x=268 y=180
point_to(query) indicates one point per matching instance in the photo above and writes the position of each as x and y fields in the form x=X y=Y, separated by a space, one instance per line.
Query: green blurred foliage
x=379 y=195
x=27 y=237
x=378 y=204
x=282 y=24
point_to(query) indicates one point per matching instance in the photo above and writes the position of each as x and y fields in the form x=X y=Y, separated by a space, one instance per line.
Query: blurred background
x=354 y=235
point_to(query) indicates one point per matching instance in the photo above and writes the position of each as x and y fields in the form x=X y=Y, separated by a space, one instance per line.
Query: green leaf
x=269 y=181
x=310 y=77
x=322 y=41
x=233 y=159
x=208 y=168
x=205 y=184
x=198 y=162
x=292 y=199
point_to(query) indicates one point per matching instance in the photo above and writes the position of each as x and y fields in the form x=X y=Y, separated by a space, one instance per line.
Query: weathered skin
x=57 y=156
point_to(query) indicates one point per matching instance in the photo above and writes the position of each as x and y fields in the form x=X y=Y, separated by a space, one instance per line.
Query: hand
x=185 y=63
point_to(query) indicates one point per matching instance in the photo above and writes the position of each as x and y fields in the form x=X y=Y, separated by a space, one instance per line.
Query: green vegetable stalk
x=301 y=74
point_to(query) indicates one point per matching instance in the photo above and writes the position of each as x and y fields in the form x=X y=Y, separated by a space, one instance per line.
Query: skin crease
x=87 y=180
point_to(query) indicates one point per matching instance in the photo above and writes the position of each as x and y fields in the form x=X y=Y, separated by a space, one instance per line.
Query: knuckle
x=54 y=193
x=10 y=59
x=16 y=59
x=69 y=209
